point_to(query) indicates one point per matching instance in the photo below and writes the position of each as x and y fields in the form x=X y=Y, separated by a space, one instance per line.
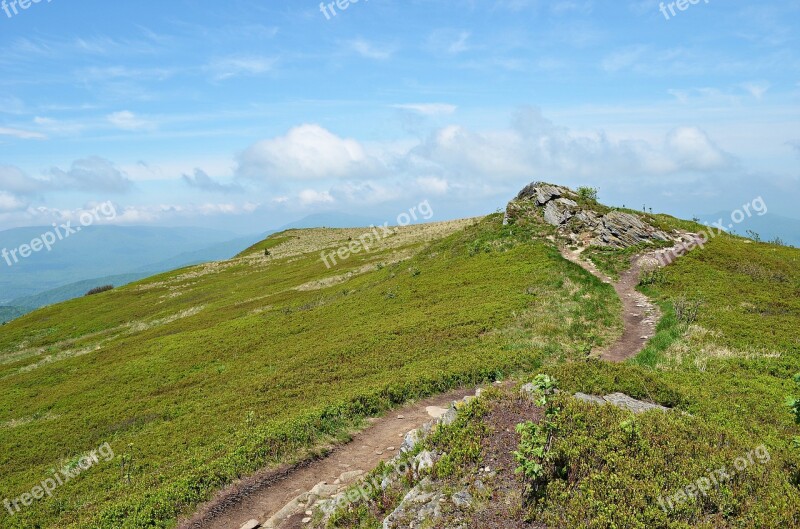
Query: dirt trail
x=265 y=494
x=640 y=315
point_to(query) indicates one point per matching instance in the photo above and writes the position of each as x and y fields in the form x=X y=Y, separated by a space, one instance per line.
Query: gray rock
x=416 y=504
x=543 y=192
x=614 y=229
x=252 y=524
x=462 y=500
x=449 y=418
x=590 y=398
x=620 y=400
x=424 y=461
x=411 y=440
x=557 y=213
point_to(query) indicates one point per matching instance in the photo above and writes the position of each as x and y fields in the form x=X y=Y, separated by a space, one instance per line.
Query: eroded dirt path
x=263 y=495
x=640 y=315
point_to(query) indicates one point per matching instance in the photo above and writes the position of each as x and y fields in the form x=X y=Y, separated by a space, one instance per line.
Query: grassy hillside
x=204 y=374
x=727 y=374
x=731 y=370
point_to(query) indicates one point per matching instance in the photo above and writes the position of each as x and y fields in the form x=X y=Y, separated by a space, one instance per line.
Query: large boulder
x=582 y=221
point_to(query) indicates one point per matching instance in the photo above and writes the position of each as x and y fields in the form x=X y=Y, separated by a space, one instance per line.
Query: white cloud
x=369 y=50
x=222 y=69
x=307 y=152
x=14 y=180
x=10 y=203
x=200 y=180
x=534 y=148
x=91 y=174
x=21 y=134
x=127 y=120
x=54 y=126
x=141 y=214
x=428 y=109
x=433 y=185
x=310 y=197
x=692 y=149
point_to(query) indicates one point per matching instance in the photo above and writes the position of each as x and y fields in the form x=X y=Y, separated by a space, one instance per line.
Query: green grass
x=205 y=374
x=731 y=370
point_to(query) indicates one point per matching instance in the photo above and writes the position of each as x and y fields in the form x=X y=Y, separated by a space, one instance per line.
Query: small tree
x=588 y=193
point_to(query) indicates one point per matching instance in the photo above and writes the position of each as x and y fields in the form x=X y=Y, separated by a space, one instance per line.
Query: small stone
x=401 y=417
x=306 y=520
x=462 y=500
x=252 y=524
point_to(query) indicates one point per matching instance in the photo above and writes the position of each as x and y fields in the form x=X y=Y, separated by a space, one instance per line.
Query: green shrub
x=98 y=290
x=588 y=193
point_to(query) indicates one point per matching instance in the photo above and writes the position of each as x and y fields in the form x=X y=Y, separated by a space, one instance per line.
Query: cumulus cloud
x=10 y=203
x=460 y=161
x=307 y=152
x=693 y=150
x=14 y=180
x=534 y=147
x=91 y=174
x=200 y=180
x=311 y=197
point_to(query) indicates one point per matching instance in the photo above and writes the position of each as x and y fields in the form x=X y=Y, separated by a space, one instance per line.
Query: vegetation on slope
x=202 y=375
x=729 y=371
x=727 y=374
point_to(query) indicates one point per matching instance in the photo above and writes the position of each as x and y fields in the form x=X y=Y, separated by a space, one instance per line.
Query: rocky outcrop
x=622 y=401
x=582 y=221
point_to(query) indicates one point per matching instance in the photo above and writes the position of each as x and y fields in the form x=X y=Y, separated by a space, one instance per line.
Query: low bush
x=98 y=290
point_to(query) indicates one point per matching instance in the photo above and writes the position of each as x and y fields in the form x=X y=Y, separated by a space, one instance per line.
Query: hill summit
x=579 y=217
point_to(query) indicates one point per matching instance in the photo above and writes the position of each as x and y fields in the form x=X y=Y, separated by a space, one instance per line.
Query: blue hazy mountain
x=100 y=251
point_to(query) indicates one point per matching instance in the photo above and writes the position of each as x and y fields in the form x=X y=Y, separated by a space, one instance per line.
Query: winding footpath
x=280 y=498
x=640 y=315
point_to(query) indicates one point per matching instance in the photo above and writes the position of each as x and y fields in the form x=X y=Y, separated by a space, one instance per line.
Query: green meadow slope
x=202 y=375
x=726 y=372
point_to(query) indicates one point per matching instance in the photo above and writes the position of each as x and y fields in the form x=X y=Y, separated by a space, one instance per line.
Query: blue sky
x=246 y=115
